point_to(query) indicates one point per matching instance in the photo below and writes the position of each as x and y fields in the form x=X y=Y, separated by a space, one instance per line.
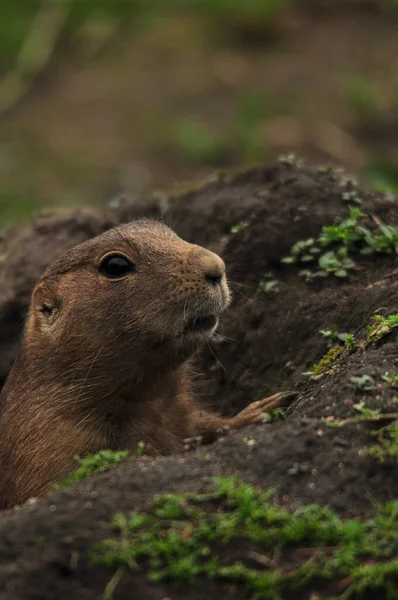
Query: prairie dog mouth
x=202 y=324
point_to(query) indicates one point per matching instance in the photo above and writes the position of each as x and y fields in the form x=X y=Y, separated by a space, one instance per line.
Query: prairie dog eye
x=116 y=266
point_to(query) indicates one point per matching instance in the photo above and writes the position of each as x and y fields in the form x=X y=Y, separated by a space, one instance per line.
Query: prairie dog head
x=135 y=295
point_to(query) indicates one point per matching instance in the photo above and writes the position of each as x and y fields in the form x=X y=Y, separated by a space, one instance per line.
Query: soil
x=265 y=344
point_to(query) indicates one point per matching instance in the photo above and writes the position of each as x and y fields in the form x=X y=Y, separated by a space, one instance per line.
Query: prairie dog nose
x=214 y=276
x=212 y=265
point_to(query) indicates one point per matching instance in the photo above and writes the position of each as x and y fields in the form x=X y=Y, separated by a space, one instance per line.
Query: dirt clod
x=318 y=454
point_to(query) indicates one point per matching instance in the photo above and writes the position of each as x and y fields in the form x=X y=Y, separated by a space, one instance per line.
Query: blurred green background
x=102 y=98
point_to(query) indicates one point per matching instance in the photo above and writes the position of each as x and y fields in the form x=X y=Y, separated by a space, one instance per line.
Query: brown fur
x=104 y=364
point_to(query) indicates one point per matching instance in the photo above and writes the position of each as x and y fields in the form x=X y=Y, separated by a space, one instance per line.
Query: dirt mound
x=268 y=341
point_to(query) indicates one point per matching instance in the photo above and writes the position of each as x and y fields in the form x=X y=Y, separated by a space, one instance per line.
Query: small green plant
x=331 y=263
x=335 y=263
x=184 y=537
x=331 y=253
x=269 y=288
x=361 y=407
x=392 y=379
x=363 y=383
x=349 y=341
x=347 y=232
x=141 y=448
x=302 y=251
x=332 y=336
x=278 y=414
x=92 y=463
x=241 y=230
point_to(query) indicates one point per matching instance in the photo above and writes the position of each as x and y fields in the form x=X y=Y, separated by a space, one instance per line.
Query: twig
x=112 y=584
x=373 y=418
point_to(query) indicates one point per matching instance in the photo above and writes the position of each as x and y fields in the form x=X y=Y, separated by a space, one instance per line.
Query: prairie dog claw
x=254 y=413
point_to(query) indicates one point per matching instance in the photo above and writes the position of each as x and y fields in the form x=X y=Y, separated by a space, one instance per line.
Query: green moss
x=90 y=464
x=183 y=537
x=328 y=359
x=380 y=327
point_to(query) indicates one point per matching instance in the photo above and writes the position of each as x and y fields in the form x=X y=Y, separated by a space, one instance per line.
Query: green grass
x=236 y=535
x=91 y=464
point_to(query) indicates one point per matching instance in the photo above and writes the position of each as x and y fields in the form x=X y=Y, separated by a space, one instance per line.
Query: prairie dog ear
x=45 y=305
